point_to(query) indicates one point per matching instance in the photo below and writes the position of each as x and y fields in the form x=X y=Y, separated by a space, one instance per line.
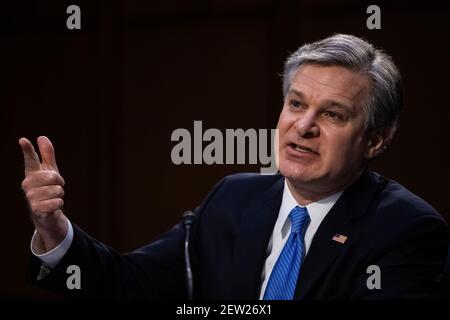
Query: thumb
x=47 y=154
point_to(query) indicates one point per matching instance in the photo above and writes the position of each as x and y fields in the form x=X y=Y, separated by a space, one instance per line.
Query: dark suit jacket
x=386 y=225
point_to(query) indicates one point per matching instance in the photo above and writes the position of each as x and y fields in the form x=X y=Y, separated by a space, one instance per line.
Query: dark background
x=110 y=95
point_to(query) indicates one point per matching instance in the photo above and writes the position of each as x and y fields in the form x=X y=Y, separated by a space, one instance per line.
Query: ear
x=376 y=142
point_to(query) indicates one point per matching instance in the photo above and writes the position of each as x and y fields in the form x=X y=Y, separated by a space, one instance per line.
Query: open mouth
x=301 y=148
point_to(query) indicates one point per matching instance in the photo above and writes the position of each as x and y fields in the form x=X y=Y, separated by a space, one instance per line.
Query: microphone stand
x=189 y=218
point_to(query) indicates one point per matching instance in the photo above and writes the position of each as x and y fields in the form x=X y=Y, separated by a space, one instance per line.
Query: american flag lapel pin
x=339 y=238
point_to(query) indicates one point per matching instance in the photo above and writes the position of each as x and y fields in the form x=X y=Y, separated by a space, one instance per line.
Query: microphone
x=189 y=219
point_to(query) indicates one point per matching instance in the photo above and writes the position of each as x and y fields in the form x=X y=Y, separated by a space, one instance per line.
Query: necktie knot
x=299 y=219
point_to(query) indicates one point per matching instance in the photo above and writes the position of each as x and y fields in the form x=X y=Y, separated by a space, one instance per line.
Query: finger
x=30 y=156
x=43 y=208
x=47 y=153
x=45 y=193
x=41 y=179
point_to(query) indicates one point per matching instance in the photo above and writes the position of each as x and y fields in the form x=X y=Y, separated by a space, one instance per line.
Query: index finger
x=47 y=153
x=30 y=156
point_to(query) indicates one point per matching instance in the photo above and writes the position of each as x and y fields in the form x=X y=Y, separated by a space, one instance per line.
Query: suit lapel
x=352 y=204
x=252 y=239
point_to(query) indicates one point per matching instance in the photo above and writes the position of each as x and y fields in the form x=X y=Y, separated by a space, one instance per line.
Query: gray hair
x=385 y=99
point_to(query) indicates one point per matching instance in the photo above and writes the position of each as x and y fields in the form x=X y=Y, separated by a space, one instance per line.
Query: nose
x=306 y=125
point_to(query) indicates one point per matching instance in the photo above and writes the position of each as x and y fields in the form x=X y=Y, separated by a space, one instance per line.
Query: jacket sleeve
x=155 y=271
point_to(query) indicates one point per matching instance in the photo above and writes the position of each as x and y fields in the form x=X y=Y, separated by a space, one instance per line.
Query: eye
x=295 y=104
x=333 y=115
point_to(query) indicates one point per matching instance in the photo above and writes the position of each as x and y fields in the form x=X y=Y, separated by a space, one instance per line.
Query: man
x=326 y=227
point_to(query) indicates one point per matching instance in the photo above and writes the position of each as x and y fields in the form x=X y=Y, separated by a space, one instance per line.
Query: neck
x=305 y=195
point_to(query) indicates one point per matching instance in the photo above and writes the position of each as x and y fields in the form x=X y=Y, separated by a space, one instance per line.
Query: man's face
x=322 y=139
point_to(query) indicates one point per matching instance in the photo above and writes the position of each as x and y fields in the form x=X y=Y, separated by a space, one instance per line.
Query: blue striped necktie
x=283 y=279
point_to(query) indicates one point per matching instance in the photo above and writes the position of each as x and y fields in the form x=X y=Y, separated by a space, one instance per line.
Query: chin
x=295 y=172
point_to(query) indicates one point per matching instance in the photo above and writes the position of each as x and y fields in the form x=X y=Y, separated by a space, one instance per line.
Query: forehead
x=331 y=82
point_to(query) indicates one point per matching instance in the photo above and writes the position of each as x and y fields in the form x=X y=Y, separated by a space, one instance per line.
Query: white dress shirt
x=317 y=212
x=53 y=257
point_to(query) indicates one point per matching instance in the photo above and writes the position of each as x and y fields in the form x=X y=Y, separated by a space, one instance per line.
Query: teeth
x=303 y=149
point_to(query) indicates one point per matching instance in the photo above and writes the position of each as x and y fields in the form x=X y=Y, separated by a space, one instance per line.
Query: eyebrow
x=328 y=103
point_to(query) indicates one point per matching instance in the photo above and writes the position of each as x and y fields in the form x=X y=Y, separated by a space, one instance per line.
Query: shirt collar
x=317 y=210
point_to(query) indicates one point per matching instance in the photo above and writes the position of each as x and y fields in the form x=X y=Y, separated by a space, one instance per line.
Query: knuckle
x=59 y=203
x=30 y=194
x=59 y=191
x=55 y=178
x=25 y=184
x=51 y=176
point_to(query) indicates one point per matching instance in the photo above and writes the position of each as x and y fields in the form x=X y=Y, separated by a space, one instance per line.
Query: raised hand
x=43 y=187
